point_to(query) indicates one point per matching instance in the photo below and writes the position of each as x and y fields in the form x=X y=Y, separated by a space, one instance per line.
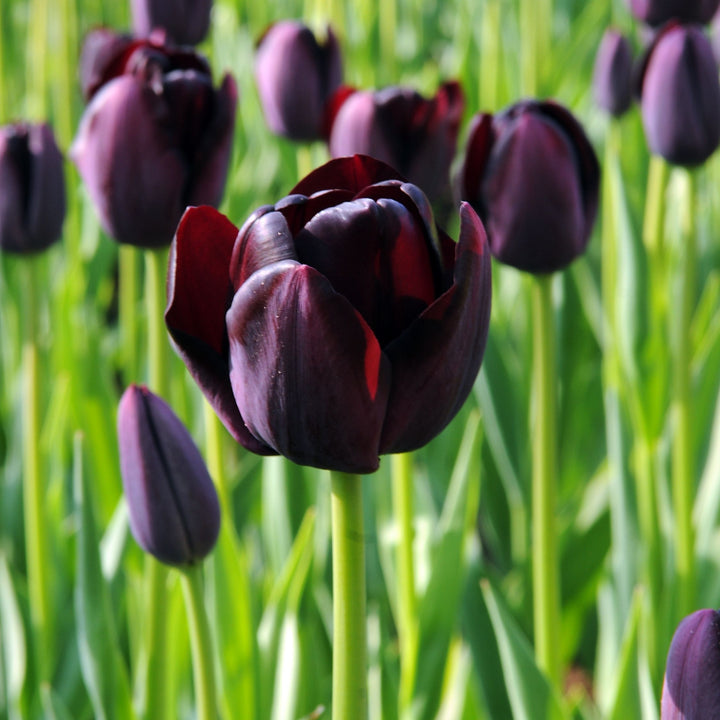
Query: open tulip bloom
x=338 y=324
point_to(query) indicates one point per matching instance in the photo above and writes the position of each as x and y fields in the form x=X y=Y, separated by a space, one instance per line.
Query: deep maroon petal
x=349 y=173
x=307 y=372
x=199 y=293
x=103 y=57
x=13 y=236
x=475 y=160
x=436 y=360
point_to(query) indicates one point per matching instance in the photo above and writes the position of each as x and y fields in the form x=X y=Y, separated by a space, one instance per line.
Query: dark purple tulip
x=415 y=135
x=155 y=138
x=657 y=12
x=172 y=502
x=691 y=689
x=296 y=75
x=533 y=177
x=680 y=95
x=32 y=188
x=337 y=325
x=186 y=22
x=613 y=75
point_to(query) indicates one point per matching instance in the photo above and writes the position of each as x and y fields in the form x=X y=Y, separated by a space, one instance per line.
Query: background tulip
x=172 y=502
x=32 y=188
x=680 y=96
x=155 y=138
x=533 y=177
x=295 y=76
x=691 y=689
x=657 y=12
x=185 y=21
x=415 y=135
x=613 y=74
x=338 y=324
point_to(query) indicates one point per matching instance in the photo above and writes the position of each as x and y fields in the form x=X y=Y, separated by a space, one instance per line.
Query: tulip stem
x=683 y=470
x=36 y=542
x=128 y=272
x=155 y=279
x=544 y=550
x=349 y=692
x=406 y=598
x=201 y=644
x=216 y=466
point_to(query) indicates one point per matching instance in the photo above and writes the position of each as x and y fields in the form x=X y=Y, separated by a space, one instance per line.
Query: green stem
x=201 y=644
x=216 y=466
x=407 y=620
x=529 y=57
x=683 y=471
x=36 y=541
x=349 y=691
x=490 y=50
x=545 y=563
x=654 y=220
x=128 y=276
x=155 y=279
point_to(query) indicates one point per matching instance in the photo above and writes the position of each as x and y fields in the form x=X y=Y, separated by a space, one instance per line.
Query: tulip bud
x=680 y=96
x=295 y=77
x=155 y=138
x=415 y=135
x=657 y=12
x=185 y=21
x=172 y=503
x=691 y=688
x=32 y=188
x=532 y=175
x=612 y=79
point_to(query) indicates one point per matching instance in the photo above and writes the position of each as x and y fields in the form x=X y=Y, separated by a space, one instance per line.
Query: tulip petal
x=442 y=349
x=195 y=315
x=480 y=140
x=308 y=374
x=13 y=236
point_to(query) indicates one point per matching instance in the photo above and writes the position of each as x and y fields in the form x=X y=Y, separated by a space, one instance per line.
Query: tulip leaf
x=13 y=653
x=52 y=705
x=101 y=661
x=531 y=696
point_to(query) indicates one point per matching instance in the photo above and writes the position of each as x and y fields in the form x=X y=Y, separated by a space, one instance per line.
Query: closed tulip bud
x=296 y=75
x=186 y=22
x=172 y=503
x=680 y=96
x=657 y=12
x=415 y=135
x=104 y=53
x=691 y=689
x=32 y=188
x=613 y=75
x=532 y=175
x=338 y=324
x=155 y=138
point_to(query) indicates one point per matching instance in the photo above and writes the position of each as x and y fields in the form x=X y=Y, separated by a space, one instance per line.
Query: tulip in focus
x=657 y=12
x=691 y=689
x=532 y=175
x=415 y=135
x=32 y=188
x=296 y=75
x=185 y=21
x=680 y=96
x=613 y=74
x=155 y=138
x=172 y=502
x=338 y=324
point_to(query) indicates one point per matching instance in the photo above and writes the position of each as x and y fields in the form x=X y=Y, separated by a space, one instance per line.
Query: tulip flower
x=172 y=503
x=185 y=21
x=415 y=135
x=295 y=76
x=533 y=177
x=612 y=78
x=680 y=96
x=32 y=188
x=691 y=688
x=155 y=138
x=338 y=324
x=657 y=12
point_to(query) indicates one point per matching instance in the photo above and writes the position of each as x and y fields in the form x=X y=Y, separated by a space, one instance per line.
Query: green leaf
x=13 y=652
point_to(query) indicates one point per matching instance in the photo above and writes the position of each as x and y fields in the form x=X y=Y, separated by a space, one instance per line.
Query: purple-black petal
x=308 y=374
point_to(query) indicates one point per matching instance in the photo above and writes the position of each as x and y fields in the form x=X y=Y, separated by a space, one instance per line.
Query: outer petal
x=199 y=293
x=186 y=21
x=308 y=374
x=436 y=360
x=475 y=159
x=135 y=179
x=13 y=236
x=348 y=173
x=613 y=74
